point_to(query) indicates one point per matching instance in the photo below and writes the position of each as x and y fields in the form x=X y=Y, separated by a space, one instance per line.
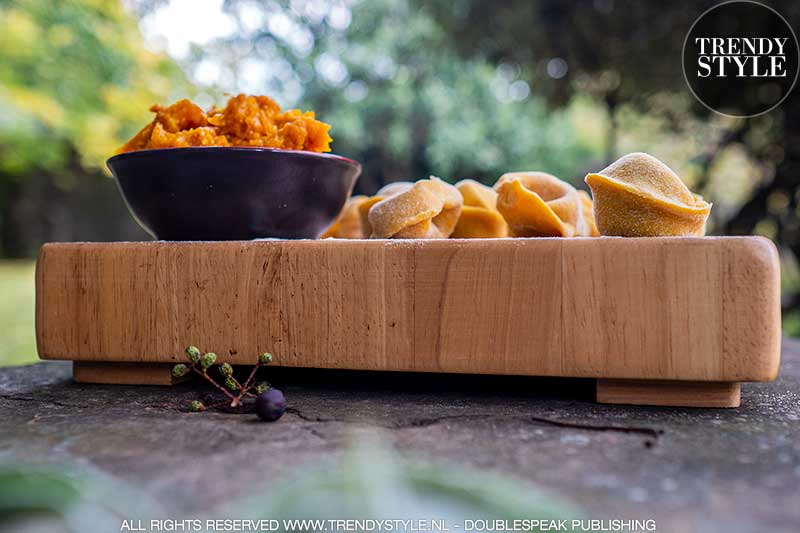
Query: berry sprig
x=200 y=363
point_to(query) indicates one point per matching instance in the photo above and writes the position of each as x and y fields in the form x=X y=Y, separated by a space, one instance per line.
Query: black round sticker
x=740 y=58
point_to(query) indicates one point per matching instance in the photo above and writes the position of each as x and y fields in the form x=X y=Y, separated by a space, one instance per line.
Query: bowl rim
x=235 y=149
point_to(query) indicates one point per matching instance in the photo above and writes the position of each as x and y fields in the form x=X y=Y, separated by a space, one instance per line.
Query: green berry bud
x=261 y=388
x=231 y=384
x=208 y=359
x=180 y=370
x=226 y=370
x=265 y=358
x=196 y=406
x=193 y=353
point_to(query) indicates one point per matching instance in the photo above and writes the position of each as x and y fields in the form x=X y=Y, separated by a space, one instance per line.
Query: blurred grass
x=17 y=336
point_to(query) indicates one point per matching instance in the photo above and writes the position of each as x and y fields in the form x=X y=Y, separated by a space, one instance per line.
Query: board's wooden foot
x=124 y=373
x=674 y=393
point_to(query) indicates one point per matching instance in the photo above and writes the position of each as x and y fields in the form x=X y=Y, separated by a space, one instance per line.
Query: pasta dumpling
x=479 y=216
x=390 y=189
x=587 y=208
x=394 y=187
x=639 y=196
x=429 y=209
x=348 y=225
x=537 y=204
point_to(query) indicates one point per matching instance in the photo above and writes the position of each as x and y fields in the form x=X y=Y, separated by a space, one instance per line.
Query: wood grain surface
x=673 y=393
x=124 y=373
x=690 y=309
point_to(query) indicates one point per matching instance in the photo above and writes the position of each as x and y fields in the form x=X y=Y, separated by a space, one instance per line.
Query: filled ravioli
x=537 y=204
x=390 y=189
x=348 y=225
x=639 y=196
x=479 y=216
x=587 y=208
x=429 y=209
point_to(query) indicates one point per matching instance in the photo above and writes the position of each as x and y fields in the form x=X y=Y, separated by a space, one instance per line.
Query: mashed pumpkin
x=245 y=121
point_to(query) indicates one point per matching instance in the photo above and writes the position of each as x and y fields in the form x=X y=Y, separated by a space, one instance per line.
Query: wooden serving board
x=667 y=321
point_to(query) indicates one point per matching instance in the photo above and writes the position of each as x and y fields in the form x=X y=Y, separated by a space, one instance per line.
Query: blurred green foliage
x=55 y=498
x=409 y=106
x=74 y=77
x=366 y=481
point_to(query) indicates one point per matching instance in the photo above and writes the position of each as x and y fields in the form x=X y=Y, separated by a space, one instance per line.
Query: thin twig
x=242 y=389
x=222 y=389
x=245 y=389
x=249 y=381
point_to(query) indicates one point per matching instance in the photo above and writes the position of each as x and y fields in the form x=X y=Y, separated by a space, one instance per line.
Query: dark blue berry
x=270 y=405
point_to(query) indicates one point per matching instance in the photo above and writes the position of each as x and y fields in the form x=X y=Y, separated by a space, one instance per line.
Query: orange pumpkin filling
x=246 y=120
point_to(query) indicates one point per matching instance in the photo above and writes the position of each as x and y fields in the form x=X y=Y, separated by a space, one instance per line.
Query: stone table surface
x=689 y=469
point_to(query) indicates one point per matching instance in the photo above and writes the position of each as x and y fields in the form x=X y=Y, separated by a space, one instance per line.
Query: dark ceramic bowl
x=219 y=194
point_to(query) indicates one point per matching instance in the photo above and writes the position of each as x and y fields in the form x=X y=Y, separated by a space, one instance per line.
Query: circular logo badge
x=740 y=58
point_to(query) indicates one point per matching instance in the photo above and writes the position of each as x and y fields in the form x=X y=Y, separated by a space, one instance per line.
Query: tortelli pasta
x=636 y=196
x=427 y=210
x=587 y=206
x=353 y=221
x=348 y=224
x=363 y=211
x=639 y=196
x=395 y=187
x=479 y=215
x=537 y=204
x=390 y=189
